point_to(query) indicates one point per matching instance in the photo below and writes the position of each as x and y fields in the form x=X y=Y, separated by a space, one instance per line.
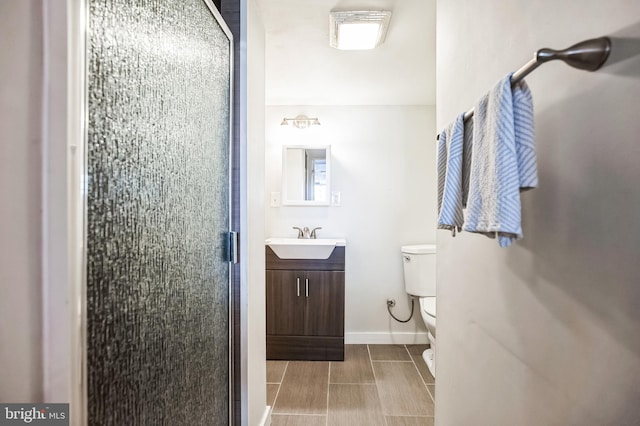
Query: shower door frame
x=71 y=362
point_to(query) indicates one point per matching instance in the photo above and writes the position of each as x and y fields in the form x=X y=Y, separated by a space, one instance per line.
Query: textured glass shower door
x=158 y=209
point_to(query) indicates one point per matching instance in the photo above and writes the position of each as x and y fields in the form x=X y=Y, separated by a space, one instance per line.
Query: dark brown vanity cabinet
x=305 y=307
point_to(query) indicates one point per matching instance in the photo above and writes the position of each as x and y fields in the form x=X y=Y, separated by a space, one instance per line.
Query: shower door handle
x=233 y=247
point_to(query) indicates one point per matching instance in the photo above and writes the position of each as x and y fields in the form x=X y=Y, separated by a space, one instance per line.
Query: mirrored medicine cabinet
x=306 y=175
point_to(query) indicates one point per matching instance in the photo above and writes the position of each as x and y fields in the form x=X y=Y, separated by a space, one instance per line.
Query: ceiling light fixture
x=300 y=122
x=358 y=30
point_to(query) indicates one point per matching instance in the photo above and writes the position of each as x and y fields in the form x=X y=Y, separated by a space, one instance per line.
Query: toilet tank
x=419 y=263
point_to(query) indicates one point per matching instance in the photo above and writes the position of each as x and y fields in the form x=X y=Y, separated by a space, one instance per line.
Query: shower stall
x=157 y=213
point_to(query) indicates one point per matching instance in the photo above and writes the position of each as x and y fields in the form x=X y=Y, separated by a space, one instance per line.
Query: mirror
x=306 y=175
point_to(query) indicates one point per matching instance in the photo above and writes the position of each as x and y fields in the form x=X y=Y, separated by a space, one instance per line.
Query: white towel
x=450 y=176
x=503 y=161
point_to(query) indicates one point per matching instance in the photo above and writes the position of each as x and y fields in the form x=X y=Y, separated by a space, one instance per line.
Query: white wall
x=21 y=81
x=254 y=230
x=546 y=332
x=41 y=142
x=383 y=164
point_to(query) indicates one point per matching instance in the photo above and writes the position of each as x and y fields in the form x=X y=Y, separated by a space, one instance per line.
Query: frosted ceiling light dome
x=358 y=30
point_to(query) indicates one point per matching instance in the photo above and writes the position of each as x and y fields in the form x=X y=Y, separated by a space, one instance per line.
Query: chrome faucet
x=313 y=232
x=305 y=233
x=302 y=233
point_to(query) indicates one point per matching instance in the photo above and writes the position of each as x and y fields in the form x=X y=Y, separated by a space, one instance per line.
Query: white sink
x=303 y=248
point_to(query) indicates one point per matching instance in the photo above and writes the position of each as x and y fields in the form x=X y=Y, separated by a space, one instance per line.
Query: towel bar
x=587 y=55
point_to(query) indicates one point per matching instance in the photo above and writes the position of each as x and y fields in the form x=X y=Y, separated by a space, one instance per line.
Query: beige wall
x=547 y=332
x=383 y=164
x=20 y=200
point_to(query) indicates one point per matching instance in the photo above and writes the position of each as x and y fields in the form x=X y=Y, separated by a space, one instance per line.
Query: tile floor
x=386 y=385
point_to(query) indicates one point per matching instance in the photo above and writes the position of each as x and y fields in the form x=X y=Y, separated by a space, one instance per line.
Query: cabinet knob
x=306 y=287
x=298 y=282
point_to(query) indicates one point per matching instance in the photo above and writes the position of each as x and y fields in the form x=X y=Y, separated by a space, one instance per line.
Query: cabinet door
x=285 y=305
x=324 y=297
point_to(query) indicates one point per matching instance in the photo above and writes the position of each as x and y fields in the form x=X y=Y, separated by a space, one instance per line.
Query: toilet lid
x=419 y=249
x=428 y=304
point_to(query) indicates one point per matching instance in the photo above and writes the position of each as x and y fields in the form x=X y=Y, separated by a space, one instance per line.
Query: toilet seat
x=428 y=305
x=428 y=311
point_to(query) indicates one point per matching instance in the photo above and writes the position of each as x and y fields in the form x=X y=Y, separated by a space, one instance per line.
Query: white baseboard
x=381 y=338
x=266 y=417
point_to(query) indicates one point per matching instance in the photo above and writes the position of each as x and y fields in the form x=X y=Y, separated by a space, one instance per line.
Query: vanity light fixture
x=358 y=30
x=300 y=122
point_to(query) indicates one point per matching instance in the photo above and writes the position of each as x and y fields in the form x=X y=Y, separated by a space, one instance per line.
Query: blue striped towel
x=450 y=176
x=503 y=161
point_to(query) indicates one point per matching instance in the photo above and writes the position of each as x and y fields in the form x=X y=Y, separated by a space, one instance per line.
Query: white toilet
x=420 y=281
